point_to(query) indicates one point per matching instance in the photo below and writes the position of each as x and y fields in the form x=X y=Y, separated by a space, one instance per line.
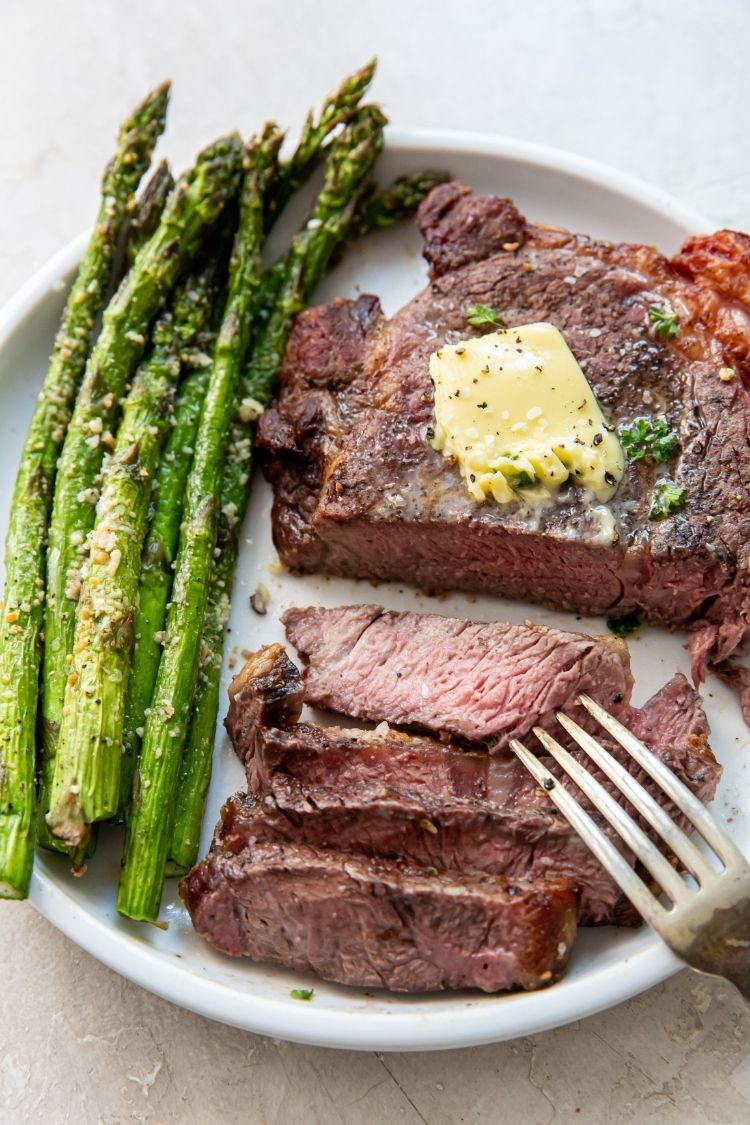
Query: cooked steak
x=443 y=833
x=375 y=790
x=266 y=692
x=490 y=682
x=358 y=491
x=380 y=923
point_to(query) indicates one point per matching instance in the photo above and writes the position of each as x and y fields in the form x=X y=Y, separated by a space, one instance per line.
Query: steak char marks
x=359 y=492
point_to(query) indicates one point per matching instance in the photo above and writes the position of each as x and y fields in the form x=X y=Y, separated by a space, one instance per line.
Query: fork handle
x=741 y=981
x=723 y=948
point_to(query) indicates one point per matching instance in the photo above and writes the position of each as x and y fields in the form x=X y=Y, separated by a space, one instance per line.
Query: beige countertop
x=660 y=91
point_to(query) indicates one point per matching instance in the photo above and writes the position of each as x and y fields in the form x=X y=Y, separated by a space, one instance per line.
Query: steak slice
x=377 y=789
x=358 y=491
x=445 y=834
x=494 y=682
x=483 y=681
x=380 y=923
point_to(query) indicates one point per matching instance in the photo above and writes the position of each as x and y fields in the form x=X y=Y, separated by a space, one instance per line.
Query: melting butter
x=517 y=413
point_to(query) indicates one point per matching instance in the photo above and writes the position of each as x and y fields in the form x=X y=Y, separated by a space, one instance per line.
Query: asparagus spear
x=151 y=204
x=195 y=769
x=194 y=206
x=149 y=821
x=380 y=210
x=138 y=230
x=161 y=545
x=348 y=167
x=87 y=767
x=337 y=109
x=384 y=208
x=23 y=598
x=160 y=551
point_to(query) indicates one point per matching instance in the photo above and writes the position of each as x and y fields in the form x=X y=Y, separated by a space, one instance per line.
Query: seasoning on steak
x=380 y=923
x=358 y=491
x=377 y=789
x=483 y=681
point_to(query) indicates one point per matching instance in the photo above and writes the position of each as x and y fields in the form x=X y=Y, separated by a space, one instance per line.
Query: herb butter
x=515 y=411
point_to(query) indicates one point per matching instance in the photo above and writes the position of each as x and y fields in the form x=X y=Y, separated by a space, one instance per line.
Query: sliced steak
x=380 y=923
x=377 y=789
x=358 y=491
x=483 y=681
x=492 y=682
x=266 y=692
x=445 y=834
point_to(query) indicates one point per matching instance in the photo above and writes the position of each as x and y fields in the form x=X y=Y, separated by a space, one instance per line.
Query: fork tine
x=623 y=874
x=621 y=821
x=686 y=801
x=678 y=842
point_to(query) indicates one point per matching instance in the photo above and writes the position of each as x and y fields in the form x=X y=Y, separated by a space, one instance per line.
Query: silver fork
x=708 y=924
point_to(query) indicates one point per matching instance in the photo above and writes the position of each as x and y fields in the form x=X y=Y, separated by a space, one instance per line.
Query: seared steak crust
x=266 y=692
x=380 y=924
x=358 y=491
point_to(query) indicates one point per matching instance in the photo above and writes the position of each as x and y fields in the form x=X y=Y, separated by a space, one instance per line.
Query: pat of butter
x=516 y=411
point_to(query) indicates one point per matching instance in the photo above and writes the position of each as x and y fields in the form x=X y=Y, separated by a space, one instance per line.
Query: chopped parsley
x=667 y=499
x=626 y=625
x=665 y=324
x=482 y=316
x=522 y=480
x=649 y=437
x=302 y=993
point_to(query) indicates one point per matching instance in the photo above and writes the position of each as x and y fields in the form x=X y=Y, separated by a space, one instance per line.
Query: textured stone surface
x=658 y=90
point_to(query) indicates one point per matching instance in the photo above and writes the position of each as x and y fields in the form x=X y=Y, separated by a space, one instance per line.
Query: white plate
x=608 y=965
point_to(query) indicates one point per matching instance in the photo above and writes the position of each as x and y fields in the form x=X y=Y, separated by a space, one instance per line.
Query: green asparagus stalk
x=148 y=824
x=161 y=545
x=150 y=208
x=86 y=782
x=160 y=552
x=332 y=222
x=23 y=598
x=337 y=109
x=193 y=208
x=378 y=210
x=138 y=230
x=348 y=167
x=195 y=769
x=383 y=208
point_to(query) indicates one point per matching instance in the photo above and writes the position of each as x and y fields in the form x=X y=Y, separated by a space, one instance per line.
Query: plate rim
x=366 y=1029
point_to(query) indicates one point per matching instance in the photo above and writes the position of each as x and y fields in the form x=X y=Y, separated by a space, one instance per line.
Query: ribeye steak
x=359 y=491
